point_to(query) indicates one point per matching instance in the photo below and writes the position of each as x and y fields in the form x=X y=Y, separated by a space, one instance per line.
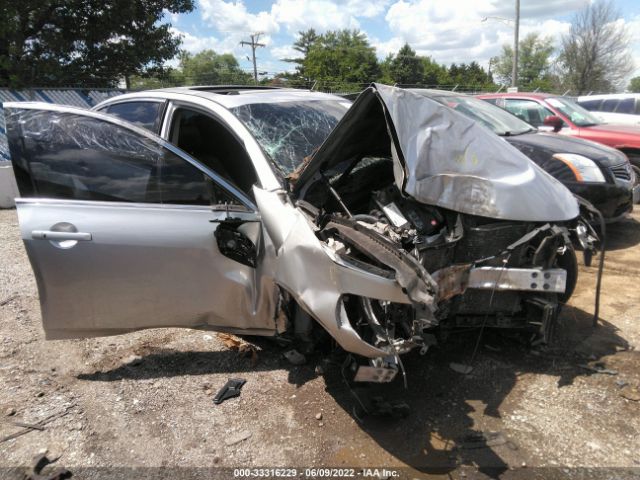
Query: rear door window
x=609 y=105
x=528 y=110
x=145 y=114
x=592 y=105
x=626 y=105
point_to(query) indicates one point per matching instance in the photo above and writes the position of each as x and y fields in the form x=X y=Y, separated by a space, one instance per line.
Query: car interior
x=208 y=141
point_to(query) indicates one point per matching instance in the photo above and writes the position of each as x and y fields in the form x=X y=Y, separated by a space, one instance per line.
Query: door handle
x=57 y=236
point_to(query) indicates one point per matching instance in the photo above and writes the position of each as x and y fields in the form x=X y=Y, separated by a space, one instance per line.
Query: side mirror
x=553 y=121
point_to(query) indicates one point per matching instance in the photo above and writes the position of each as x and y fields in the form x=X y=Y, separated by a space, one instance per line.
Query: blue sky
x=449 y=31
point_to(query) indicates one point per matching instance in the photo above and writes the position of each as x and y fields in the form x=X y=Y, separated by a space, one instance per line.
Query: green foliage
x=85 y=42
x=405 y=68
x=303 y=44
x=211 y=68
x=534 y=53
x=339 y=58
x=634 y=85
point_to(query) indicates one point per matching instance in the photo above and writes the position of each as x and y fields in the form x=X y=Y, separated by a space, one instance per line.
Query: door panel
x=107 y=267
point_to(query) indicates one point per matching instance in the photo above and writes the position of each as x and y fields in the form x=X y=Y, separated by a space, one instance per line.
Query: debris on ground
x=378 y=406
x=599 y=369
x=319 y=416
x=630 y=393
x=461 y=368
x=9 y=412
x=39 y=463
x=237 y=438
x=294 y=357
x=231 y=389
x=37 y=426
x=244 y=349
x=132 y=360
x=486 y=440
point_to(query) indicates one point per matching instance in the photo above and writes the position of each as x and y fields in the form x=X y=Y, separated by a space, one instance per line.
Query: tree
x=341 y=57
x=595 y=53
x=306 y=39
x=634 y=85
x=405 y=67
x=434 y=73
x=533 y=62
x=211 y=68
x=85 y=42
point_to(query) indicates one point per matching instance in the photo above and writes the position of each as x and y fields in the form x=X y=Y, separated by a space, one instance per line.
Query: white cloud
x=233 y=17
x=193 y=44
x=285 y=51
x=455 y=31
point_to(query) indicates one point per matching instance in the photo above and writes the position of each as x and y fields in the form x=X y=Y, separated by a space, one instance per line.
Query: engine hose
x=363 y=217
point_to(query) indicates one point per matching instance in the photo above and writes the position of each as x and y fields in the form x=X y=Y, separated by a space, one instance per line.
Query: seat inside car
x=208 y=141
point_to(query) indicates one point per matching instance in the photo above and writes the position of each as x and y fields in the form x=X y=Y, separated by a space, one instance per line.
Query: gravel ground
x=145 y=399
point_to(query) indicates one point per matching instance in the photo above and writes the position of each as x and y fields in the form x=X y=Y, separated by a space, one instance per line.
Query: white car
x=623 y=108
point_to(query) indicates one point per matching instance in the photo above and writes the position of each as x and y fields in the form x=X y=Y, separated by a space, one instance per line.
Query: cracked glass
x=290 y=131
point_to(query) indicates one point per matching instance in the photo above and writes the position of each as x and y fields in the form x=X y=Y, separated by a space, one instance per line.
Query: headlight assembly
x=582 y=167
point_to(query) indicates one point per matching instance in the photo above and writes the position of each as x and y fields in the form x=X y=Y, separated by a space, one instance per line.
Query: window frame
x=161 y=112
x=102 y=116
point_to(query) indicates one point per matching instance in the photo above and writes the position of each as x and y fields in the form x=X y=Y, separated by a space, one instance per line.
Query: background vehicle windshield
x=576 y=113
x=290 y=131
x=492 y=117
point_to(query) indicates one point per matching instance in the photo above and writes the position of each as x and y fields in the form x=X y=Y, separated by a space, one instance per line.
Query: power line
x=254 y=44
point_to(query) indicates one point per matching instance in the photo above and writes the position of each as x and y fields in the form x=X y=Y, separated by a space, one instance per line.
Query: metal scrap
x=231 y=389
x=37 y=426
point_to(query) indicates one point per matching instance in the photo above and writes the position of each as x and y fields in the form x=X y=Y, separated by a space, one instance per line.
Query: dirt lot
x=145 y=399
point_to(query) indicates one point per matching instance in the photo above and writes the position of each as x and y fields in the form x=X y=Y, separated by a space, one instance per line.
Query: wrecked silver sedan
x=277 y=212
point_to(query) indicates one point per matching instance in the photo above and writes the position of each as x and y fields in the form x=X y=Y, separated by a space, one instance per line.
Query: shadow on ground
x=439 y=434
x=623 y=234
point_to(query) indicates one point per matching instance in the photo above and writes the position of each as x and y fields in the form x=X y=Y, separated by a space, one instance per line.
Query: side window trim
x=213 y=176
x=161 y=111
x=137 y=130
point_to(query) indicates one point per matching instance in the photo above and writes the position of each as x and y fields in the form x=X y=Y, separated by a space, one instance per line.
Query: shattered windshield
x=290 y=131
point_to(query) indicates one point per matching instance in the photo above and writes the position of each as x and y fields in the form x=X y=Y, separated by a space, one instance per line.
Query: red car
x=563 y=115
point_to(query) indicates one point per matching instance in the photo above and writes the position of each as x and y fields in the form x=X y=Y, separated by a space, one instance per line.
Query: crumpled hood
x=442 y=158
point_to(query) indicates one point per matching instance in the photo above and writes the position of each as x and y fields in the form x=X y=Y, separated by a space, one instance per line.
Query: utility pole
x=254 y=44
x=516 y=32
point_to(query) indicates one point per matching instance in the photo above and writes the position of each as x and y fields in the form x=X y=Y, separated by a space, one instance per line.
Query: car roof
x=605 y=96
x=433 y=92
x=532 y=95
x=231 y=96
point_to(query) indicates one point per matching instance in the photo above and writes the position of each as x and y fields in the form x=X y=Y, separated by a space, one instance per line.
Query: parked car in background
x=600 y=174
x=623 y=108
x=287 y=213
x=565 y=116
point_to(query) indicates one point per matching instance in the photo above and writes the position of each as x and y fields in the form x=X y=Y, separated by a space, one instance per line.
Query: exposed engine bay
x=459 y=271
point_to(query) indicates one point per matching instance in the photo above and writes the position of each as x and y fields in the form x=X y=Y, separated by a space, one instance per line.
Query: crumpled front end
x=469 y=232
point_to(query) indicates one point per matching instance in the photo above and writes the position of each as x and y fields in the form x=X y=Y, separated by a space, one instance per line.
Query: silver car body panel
x=144 y=266
x=445 y=159
x=106 y=268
